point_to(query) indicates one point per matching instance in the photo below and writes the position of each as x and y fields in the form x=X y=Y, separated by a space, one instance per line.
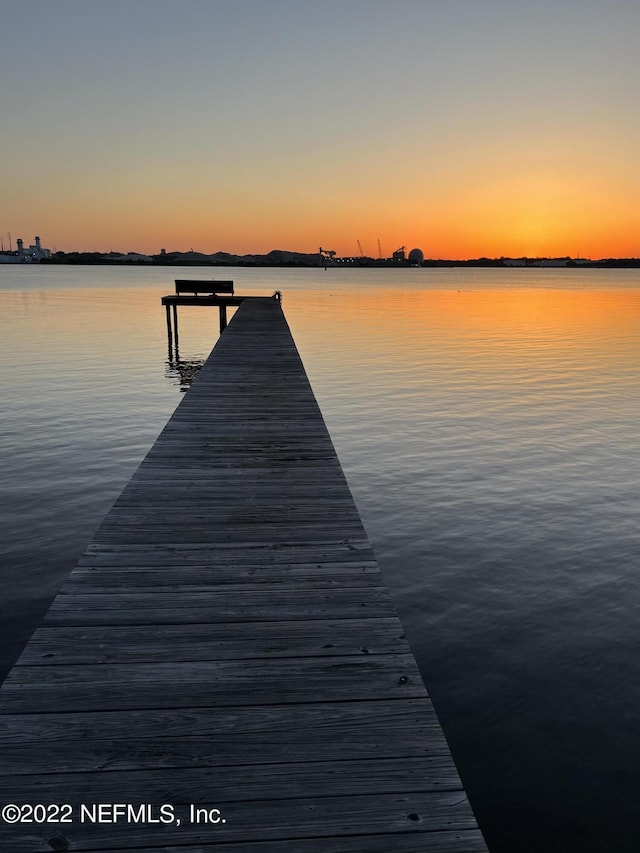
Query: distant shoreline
x=323 y=258
x=89 y=259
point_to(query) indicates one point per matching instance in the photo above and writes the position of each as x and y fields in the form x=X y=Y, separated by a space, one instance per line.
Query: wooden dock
x=225 y=655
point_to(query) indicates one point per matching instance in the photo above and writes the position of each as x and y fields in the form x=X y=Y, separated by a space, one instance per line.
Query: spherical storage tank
x=416 y=256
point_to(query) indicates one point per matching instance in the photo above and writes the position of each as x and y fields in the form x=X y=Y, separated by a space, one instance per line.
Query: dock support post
x=223 y=318
x=169 y=332
x=175 y=327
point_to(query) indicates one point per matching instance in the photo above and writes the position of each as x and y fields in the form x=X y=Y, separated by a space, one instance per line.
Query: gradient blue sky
x=465 y=127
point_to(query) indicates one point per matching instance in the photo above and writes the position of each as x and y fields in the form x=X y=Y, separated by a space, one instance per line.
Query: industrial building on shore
x=34 y=253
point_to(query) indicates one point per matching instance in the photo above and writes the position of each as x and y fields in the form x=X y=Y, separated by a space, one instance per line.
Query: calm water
x=487 y=421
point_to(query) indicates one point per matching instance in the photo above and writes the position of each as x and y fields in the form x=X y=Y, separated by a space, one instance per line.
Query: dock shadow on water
x=183 y=371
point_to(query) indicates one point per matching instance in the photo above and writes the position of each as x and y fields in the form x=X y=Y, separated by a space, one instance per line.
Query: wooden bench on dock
x=197 y=286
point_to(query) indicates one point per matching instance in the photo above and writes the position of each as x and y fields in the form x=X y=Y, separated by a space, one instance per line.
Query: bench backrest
x=184 y=285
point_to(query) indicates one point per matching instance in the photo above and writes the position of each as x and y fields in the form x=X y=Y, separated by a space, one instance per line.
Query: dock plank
x=428 y=842
x=207 y=684
x=250 y=782
x=213 y=737
x=99 y=580
x=226 y=641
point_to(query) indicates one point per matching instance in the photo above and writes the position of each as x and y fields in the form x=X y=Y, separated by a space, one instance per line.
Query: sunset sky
x=463 y=127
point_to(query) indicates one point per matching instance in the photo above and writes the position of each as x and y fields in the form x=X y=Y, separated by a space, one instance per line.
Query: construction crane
x=360 y=249
x=379 y=250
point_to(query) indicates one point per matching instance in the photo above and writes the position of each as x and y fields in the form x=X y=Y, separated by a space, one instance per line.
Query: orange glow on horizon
x=510 y=215
x=541 y=227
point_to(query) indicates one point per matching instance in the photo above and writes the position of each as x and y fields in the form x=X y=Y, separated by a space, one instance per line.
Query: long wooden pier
x=224 y=669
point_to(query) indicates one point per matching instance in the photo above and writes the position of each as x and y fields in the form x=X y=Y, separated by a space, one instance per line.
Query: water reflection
x=182 y=372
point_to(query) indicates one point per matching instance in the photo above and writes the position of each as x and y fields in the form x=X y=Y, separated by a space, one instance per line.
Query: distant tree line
x=293 y=259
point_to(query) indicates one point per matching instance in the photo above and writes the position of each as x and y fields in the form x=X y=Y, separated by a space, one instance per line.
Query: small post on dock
x=223 y=318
